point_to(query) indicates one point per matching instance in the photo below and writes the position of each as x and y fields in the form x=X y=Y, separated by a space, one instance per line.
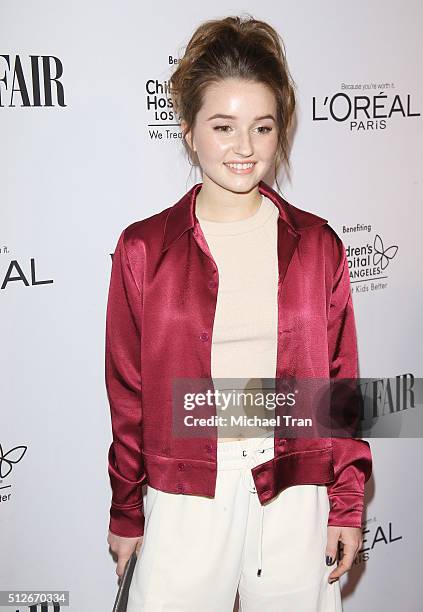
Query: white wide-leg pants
x=197 y=551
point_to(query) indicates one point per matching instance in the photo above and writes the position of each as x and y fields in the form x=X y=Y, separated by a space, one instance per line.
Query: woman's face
x=237 y=123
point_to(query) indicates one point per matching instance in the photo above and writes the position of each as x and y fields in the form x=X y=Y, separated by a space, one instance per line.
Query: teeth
x=240 y=166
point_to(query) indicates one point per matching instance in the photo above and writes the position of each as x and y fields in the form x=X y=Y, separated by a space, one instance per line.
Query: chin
x=237 y=184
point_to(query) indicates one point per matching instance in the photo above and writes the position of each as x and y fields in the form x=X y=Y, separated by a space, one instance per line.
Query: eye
x=226 y=128
x=221 y=127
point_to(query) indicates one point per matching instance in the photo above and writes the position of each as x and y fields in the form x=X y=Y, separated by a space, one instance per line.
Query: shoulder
x=142 y=239
x=316 y=230
x=144 y=236
x=150 y=228
x=334 y=245
x=318 y=233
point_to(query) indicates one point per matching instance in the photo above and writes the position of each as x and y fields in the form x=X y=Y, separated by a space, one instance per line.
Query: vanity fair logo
x=370 y=259
x=364 y=106
x=31 y=81
x=382 y=397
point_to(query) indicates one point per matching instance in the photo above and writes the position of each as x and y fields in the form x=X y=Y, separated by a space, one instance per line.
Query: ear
x=188 y=135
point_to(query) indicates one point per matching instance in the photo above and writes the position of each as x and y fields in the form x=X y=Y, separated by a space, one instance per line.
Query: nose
x=242 y=145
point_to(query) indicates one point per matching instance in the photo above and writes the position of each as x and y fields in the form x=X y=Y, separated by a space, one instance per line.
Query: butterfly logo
x=14 y=455
x=382 y=256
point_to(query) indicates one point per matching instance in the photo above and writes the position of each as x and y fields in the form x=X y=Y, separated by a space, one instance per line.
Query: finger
x=331 y=551
x=120 y=568
x=346 y=562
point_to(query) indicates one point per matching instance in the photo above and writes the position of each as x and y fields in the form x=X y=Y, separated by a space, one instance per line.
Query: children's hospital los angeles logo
x=370 y=260
x=9 y=457
x=162 y=121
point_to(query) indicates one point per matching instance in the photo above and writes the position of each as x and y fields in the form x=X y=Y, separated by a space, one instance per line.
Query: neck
x=215 y=203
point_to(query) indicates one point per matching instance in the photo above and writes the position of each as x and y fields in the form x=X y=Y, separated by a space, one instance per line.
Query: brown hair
x=234 y=47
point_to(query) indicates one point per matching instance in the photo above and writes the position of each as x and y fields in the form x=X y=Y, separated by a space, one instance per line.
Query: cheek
x=210 y=147
x=267 y=147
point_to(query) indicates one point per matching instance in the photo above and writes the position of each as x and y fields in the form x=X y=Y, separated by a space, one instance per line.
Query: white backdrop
x=76 y=172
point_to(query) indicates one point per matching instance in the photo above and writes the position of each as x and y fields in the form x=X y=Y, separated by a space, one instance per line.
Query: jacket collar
x=181 y=216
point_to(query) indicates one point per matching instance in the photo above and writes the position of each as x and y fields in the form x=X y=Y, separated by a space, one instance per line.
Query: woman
x=231 y=281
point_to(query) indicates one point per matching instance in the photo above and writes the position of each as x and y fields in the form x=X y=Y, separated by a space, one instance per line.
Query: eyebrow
x=221 y=116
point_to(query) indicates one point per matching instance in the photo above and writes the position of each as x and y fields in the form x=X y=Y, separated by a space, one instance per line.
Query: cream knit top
x=244 y=341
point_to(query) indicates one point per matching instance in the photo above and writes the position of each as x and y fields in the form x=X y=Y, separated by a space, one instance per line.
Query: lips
x=239 y=162
x=240 y=167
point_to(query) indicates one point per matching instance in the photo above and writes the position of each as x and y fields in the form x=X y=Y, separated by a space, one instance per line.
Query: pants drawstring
x=253 y=457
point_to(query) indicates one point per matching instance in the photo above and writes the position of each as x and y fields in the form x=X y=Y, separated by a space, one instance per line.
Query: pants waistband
x=236 y=454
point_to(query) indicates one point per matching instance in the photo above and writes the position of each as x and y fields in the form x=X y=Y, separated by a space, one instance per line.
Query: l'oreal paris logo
x=368 y=111
x=375 y=536
x=24 y=275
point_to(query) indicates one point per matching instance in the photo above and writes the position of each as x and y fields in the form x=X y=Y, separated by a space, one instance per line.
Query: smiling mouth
x=240 y=165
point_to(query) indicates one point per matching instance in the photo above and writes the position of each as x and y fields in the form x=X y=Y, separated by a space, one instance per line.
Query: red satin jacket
x=159 y=325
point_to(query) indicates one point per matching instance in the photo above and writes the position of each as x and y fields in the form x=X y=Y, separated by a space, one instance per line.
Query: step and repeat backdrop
x=90 y=144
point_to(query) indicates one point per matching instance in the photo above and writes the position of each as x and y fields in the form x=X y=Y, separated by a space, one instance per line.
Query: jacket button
x=181 y=466
x=212 y=284
x=180 y=486
x=204 y=336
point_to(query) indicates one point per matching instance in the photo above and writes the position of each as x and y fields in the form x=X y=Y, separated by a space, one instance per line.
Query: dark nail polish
x=329 y=560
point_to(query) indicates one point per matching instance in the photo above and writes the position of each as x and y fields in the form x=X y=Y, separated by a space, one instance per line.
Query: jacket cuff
x=346 y=510
x=127 y=522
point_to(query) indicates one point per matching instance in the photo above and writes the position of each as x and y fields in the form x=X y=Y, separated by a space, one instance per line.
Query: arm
x=123 y=383
x=352 y=457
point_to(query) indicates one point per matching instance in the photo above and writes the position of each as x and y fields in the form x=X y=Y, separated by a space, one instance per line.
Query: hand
x=352 y=539
x=123 y=548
